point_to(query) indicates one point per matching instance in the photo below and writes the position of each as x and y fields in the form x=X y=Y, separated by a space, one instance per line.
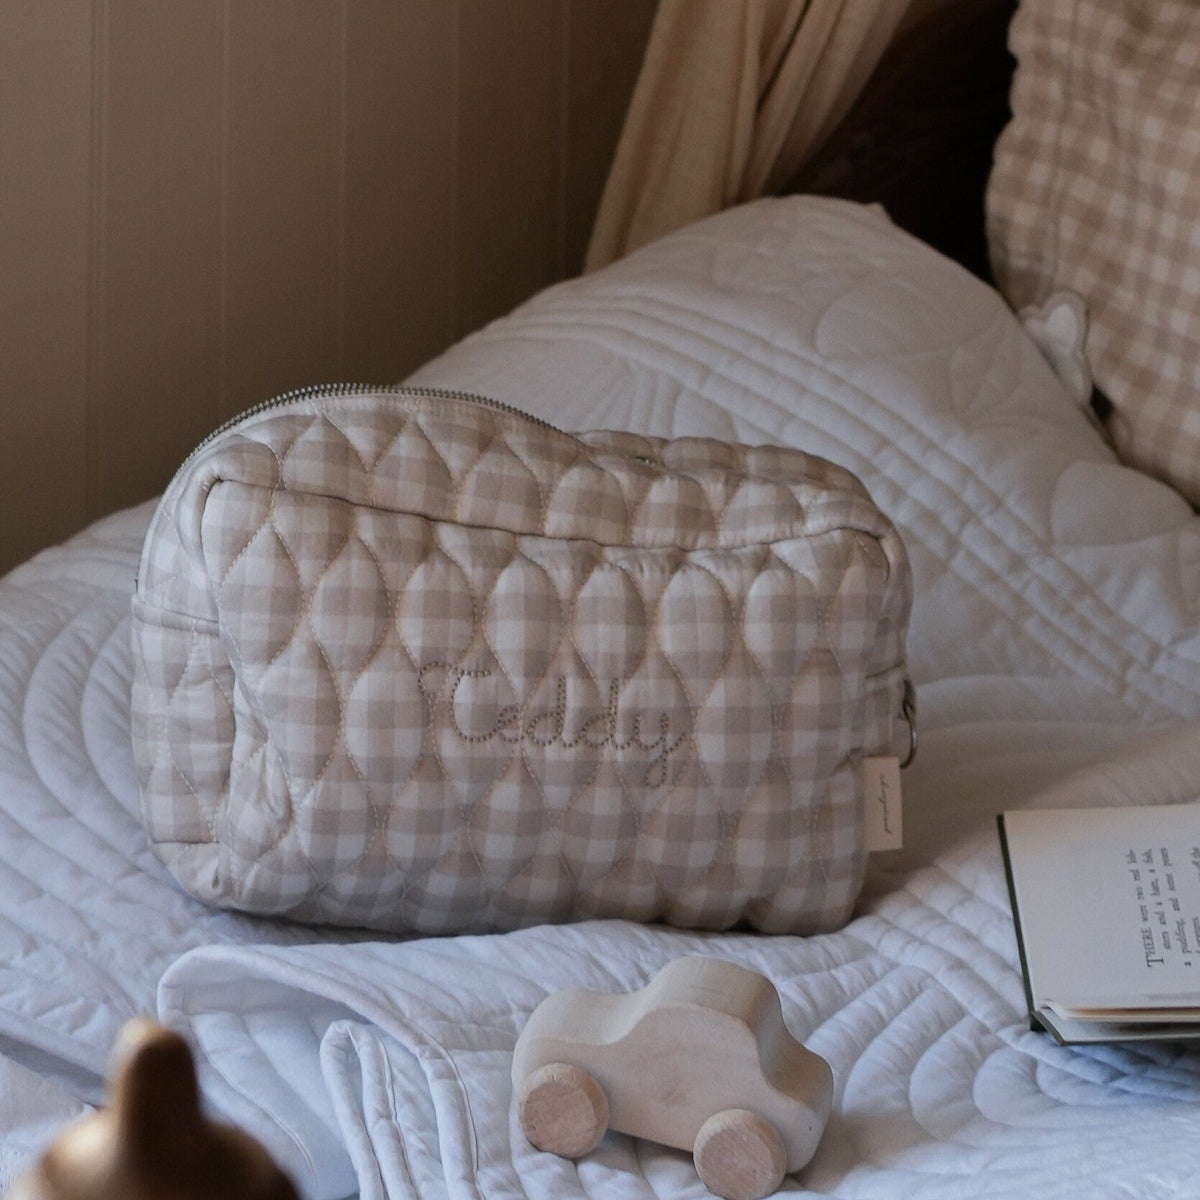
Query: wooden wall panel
x=399 y=185
x=283 y=275
x=46 y=75
x=154 y=309
x=509 y=222
x=601 y=74
x=207 y=202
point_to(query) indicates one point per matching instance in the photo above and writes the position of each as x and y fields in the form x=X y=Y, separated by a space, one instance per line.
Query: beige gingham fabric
x=1096 y=190
x=411 y=662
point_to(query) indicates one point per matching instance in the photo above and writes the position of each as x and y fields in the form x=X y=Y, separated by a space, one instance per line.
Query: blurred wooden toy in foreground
x=700 y=1059
x=152 y=1142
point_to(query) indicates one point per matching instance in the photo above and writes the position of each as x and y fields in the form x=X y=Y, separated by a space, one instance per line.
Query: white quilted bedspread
x=1056 y=648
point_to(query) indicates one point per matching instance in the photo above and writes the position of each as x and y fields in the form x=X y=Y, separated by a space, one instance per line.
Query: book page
x=1109 y=906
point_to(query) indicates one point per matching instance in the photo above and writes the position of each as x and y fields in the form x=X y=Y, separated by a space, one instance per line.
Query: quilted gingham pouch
x=416 y=661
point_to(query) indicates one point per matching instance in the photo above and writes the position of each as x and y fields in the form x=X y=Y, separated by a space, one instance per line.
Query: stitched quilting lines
x=485 y=674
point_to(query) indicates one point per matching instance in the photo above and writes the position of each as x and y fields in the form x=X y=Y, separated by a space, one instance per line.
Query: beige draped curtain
x=732 y=99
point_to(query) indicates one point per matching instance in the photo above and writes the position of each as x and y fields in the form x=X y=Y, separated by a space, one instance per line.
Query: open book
x=1107 y=908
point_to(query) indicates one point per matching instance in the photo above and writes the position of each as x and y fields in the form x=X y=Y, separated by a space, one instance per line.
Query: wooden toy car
x=152 y=1142
x=700 y=1059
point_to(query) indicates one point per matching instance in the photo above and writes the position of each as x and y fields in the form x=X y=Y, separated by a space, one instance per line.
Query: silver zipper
x=322 y=391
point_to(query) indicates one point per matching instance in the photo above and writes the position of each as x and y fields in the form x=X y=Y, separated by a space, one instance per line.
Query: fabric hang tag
x=881 y=797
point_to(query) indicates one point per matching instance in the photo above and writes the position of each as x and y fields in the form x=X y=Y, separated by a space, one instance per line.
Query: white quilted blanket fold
x=385 y=1068
x=1055 y=643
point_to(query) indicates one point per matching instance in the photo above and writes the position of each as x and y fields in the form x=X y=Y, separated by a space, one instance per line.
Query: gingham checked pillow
x=1096 y=190
x=417 y=662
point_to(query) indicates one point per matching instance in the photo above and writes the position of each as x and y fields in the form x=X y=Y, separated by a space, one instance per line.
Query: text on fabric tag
x=884 y=811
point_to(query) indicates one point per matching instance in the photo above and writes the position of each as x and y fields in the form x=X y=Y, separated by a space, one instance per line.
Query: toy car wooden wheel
x=700 y=1059
x=563 y=1110
x=740 y=1155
